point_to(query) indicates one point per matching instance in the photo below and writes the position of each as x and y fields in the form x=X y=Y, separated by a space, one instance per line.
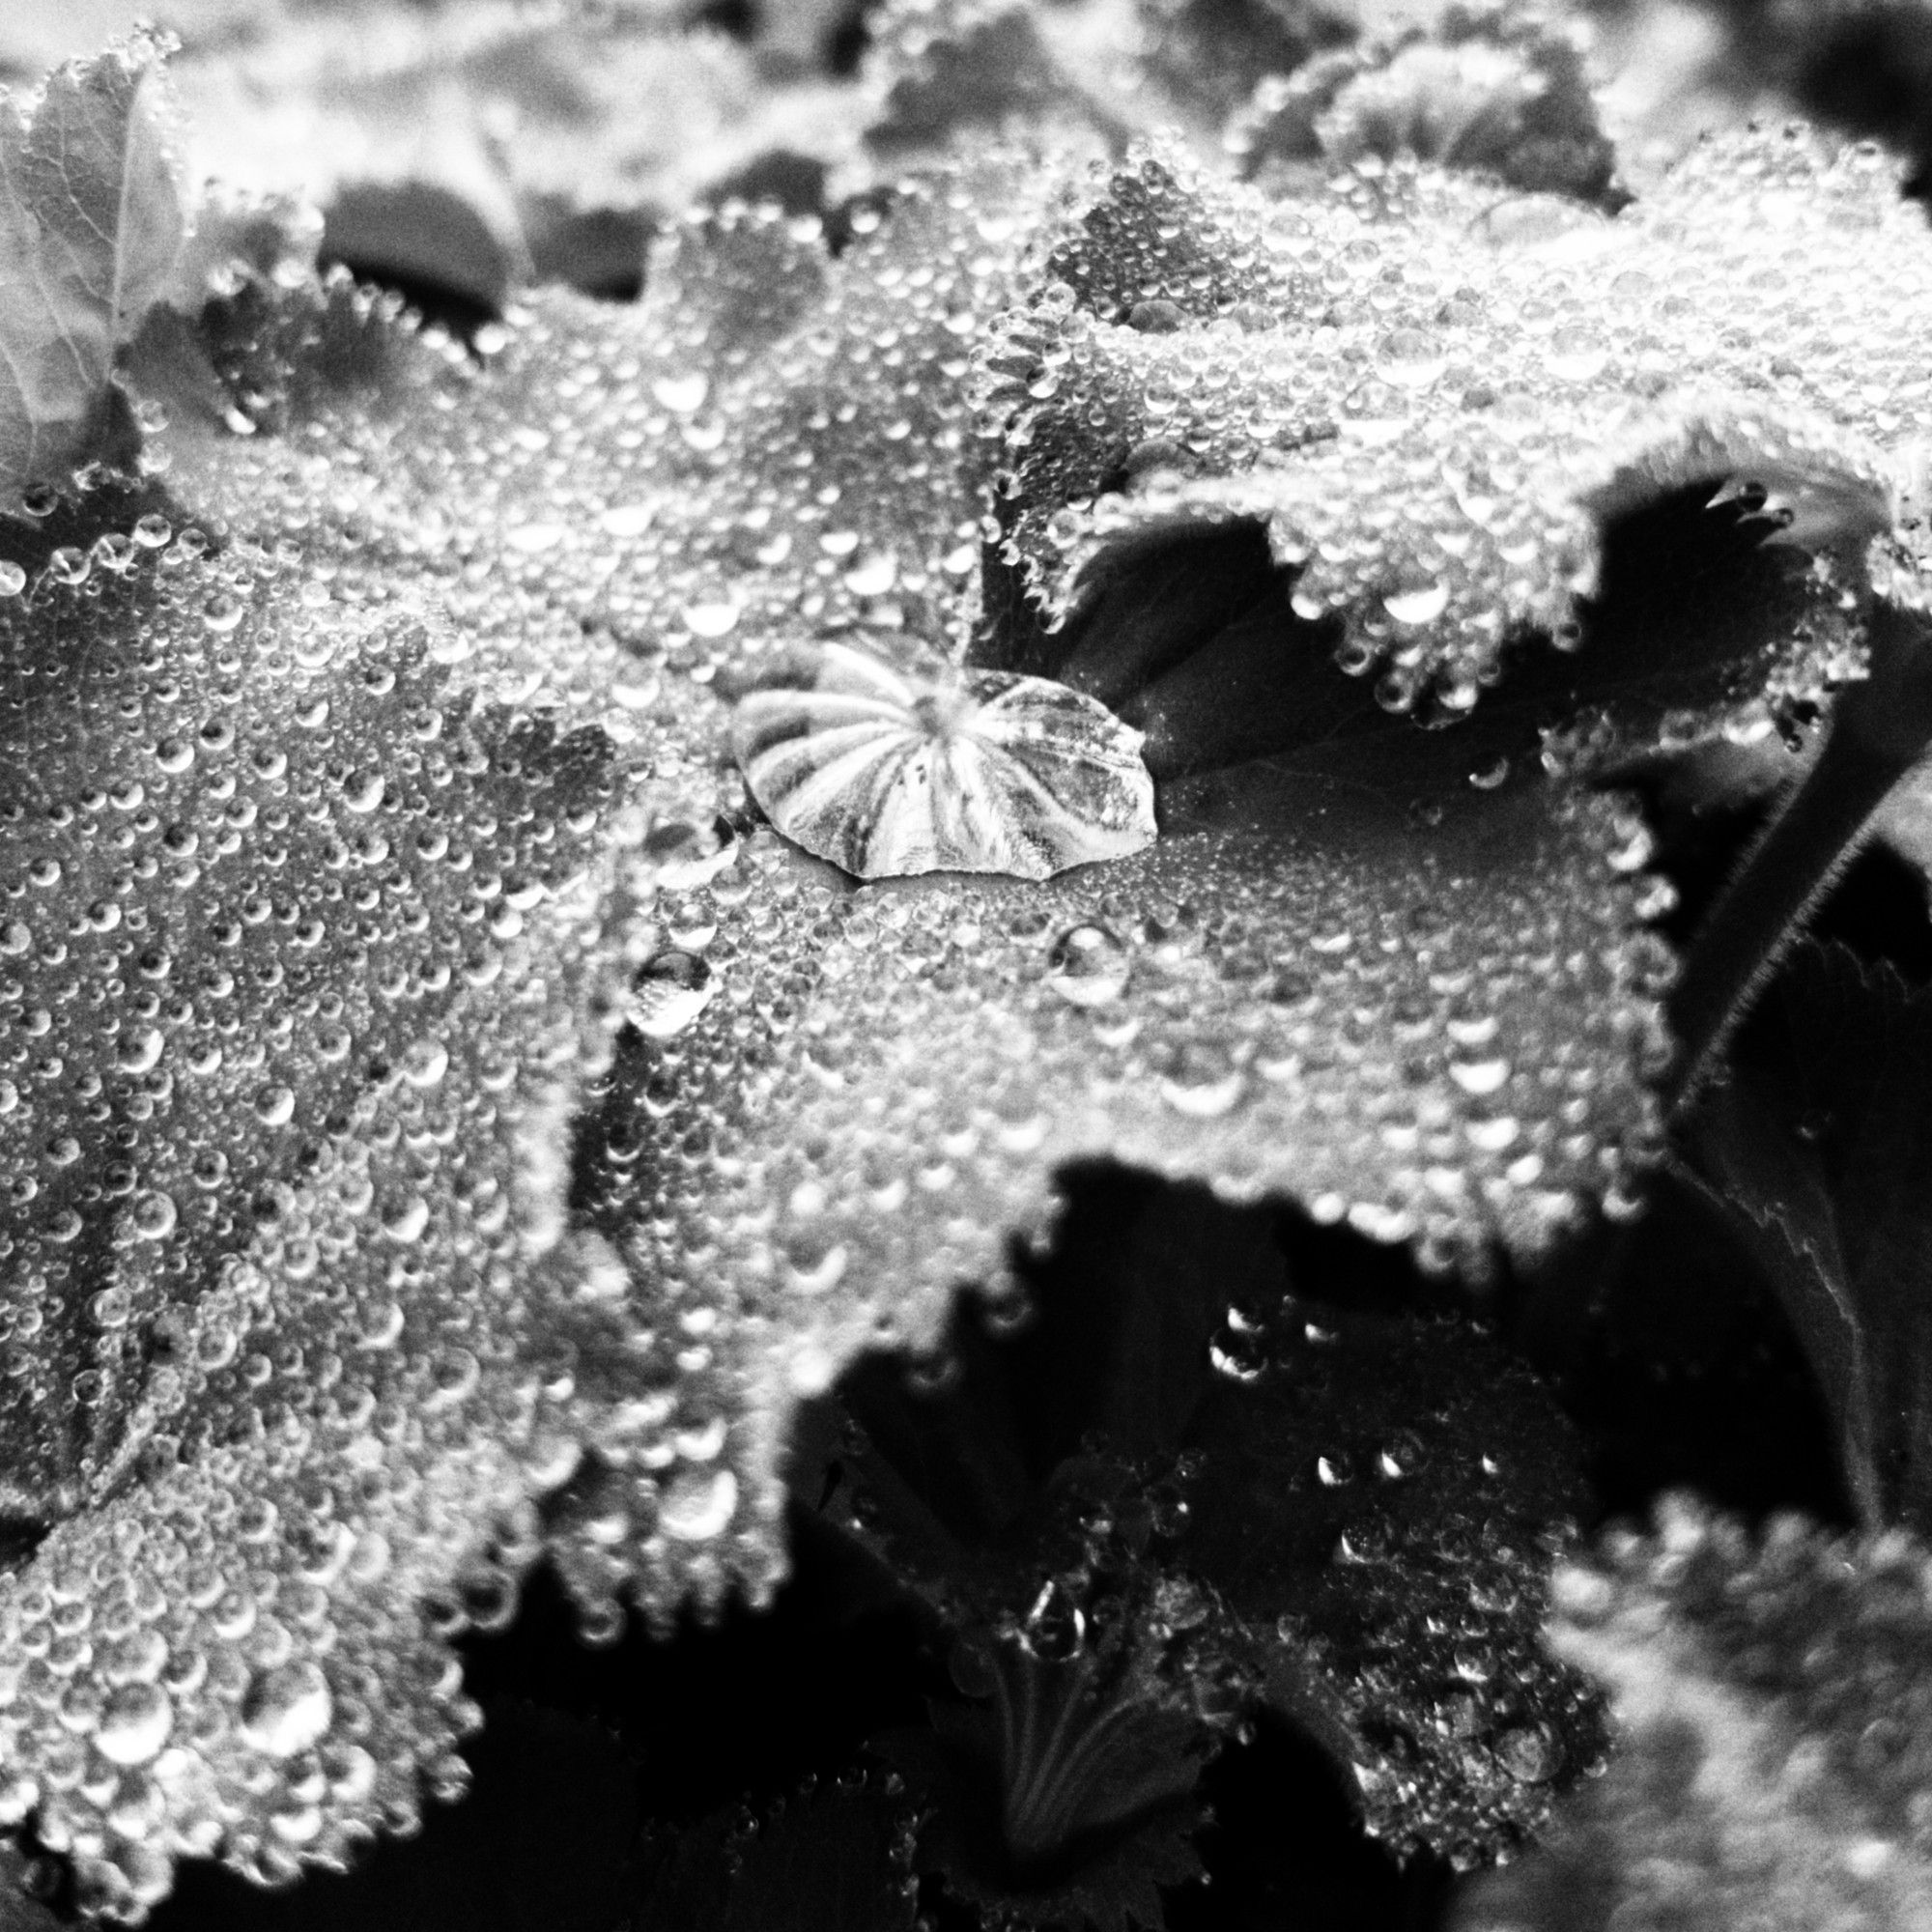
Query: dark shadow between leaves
x=1189 y=633
x=1283 y=1849
x=1669 y=1350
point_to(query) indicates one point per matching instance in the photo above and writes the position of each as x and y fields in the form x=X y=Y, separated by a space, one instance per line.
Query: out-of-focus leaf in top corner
x=91 y=225
x=1773 y=1698
x=105 y=261
x=473 y=151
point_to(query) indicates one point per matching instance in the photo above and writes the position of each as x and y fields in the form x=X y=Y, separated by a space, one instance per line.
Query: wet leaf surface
x=450 y=1127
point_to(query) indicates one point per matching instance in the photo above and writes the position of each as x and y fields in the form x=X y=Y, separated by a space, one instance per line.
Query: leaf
x=465 y=156
x=1224 y=360
x=722 y=1120
x=1279 y=1002
x=1501 y=90
x=277 y=1083
x=91 y=225
x=1771 y=1695
x=1213 y=1491
x=1821 y=1143
x=1863 y=69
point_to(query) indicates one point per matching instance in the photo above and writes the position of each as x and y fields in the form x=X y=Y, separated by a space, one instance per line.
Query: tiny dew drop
x=286 y=1710
x=134 y=1723
x=154 y=1215
x=1419 y=606
x=698 y=1504
x=682 y=395
x=669 y=991
x=222 y=613
x=1088 y=966
x=682 y=854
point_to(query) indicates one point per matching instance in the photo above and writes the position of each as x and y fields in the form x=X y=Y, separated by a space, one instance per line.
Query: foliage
x=1772 y=1694
x=451 y=1128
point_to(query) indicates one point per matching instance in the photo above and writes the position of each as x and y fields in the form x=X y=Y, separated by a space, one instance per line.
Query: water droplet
x=1480 y=1076
x=872 y=574
x=134 y=1723
x=1088 y=966
x=425 y=1062
x=222 y=613
x=669 y=991
x=893 y=761
x=697 y=1504
x=714 y=619
x=275 y=1105
x=682 y=855
x=682 y=395
x=1419 y=606
x=1056 y=1626
x=286 y=1710
x=152 y=1217
x=1201 y=1081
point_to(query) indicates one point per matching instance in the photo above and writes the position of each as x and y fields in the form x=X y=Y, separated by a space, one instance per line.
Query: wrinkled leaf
x=294 y=978
x=1502 y=90
x=1327 y=367
x=1771 y=1695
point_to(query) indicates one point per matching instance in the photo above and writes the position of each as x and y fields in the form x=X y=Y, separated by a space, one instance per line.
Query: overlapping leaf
x=1818 y=1141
